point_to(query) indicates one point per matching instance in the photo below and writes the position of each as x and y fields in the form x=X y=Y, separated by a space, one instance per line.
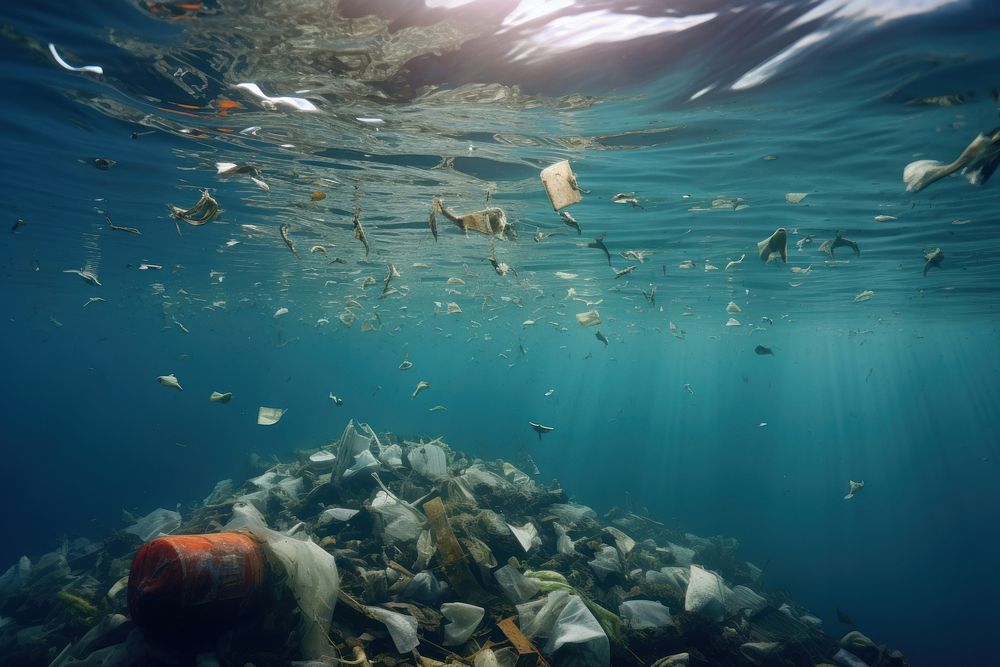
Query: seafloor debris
x=382 y=550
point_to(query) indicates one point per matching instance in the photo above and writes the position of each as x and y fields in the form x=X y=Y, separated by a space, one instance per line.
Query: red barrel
x=183 y=585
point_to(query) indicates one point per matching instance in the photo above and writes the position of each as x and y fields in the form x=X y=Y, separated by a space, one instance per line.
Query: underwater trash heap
x=374 y=550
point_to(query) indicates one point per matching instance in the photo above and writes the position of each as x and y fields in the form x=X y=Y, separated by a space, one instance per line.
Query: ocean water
x=684 y=104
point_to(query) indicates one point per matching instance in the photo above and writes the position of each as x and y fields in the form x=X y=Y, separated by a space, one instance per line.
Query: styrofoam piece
x=560 y=185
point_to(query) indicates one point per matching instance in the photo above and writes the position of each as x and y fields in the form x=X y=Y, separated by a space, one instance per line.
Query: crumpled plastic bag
x=364 y=462
x=158 y=522
x=465 y=618
x=571 y=514
x=568 y=626
x=515 y=586
x=606 y=562
x=645 y=614
x=401 y=523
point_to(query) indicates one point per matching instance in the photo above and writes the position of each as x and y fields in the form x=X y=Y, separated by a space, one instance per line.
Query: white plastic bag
x=645 y=614
x=465 y=618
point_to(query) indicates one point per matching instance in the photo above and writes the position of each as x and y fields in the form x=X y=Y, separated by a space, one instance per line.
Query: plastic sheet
x=515 y=586
x=429 y=461
x=335 y=514
x=425 y=550
x=15 y=577
x=402 y=628
x=352 y=443
x=220 y=493
x=645 y=614
x=158 y=522
x=682 y=555
x=391 y=456
x=465 y=618
x=674 y=576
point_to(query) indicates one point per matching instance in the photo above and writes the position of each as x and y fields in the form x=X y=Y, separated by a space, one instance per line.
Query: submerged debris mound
x=378 y=550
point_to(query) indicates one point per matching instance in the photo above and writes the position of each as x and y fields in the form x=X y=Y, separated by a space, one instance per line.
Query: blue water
x=900 y=390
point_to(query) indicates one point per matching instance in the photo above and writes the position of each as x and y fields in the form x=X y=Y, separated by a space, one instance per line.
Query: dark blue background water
x=900 y=391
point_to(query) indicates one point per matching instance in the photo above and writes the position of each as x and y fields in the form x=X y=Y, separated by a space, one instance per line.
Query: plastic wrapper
x=515 y=586
x=402 y=628
x=606 y=563
x=429 y=461
x=158 y=522
x=674 y=576
x=645 y=614
x=465 y=618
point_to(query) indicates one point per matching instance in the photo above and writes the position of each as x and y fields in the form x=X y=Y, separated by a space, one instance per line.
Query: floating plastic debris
x=272 y=103
x=978 y=162
x=839 y=242
x=774 y=244
x=560 y=185
x=733 y=322
x=795 y=197
x=317 y=195
x=420 y=387
x=169 y=381
x=864 y=296
x=589 y=318
x=93 y=69
x=541 y=429
x=371 y=121
x=269 y=416
x=733 y=264
x=733 y=307
x=932 y=258
x=87 y=276
x=453 y=308
x=97 y=299
x=281 y=311
x=219 y=397
x=884 y=218
x=855 y=487
x=204 y=210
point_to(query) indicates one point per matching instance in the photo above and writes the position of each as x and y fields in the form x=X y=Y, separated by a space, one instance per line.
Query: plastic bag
x=741 y=597
x=645 y=614
x=465 y=618
x=578 y=637
x=564 y=545
x=526 y=535
x=606 y=563
x=402 y=524
x=351 y=444
x=391 y=456
x=402 y=628
x=515 y=586
x=571 y=514
x=425 y=550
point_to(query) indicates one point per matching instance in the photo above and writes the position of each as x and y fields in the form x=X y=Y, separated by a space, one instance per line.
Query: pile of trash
x=378 y=551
